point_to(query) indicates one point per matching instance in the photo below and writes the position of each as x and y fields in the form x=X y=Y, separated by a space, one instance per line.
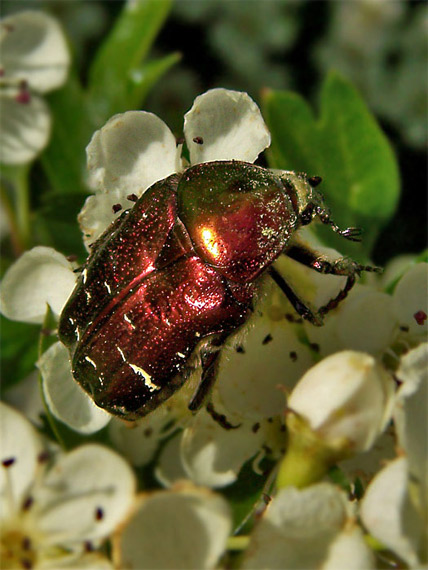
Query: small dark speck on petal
x=132 y=197
x=268 y=338
x=88 y=546
x=8 y=462
x=27 y=504
x=99 y=514
x=43 y=457
x=116 y=208
x=293 y=356
x=198 y=140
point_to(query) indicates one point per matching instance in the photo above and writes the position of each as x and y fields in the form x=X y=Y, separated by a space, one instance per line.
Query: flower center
x=16 y=550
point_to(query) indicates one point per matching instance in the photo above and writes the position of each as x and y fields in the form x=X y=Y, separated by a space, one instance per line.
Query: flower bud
x=339 y=407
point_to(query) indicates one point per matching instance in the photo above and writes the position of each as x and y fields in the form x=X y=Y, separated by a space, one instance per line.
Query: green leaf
x=64 y=161
x=121 y=55
x=18 y=350
x=346 y=147
x=246 y=495
x=143 y=78
x=55 y=223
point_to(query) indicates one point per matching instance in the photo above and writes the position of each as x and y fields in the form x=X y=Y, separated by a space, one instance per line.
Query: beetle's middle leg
x=341 y=266
x=210 y=358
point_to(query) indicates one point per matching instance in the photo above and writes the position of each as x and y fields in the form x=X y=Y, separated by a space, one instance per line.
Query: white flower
x=34 y=60
x=311 y=528
x=185 y=527
x=337 y=409
x=57 y=508
x=395 y=506
x=347 y=397
x=136 y=149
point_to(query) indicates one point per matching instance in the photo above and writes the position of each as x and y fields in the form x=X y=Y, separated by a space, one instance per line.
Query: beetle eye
x=306 y=216
x=315 y=181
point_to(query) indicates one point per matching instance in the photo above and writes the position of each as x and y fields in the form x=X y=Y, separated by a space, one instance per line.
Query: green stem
x=301 y=468
x=238 y=542
x=308 y=456
x=15 y=199
x=23 y=206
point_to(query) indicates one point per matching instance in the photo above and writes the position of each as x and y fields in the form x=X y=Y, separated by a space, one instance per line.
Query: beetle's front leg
x=341 y=266
x=210 y=357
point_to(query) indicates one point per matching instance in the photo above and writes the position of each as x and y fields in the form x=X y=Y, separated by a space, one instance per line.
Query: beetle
x=178 y=273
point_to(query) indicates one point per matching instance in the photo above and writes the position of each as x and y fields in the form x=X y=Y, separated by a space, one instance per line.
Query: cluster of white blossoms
x=34 y=60
x=340 y=405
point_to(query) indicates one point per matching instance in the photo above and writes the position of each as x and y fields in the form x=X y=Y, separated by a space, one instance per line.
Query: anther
x=420 y=317
x=99 y=514
x=8 y=462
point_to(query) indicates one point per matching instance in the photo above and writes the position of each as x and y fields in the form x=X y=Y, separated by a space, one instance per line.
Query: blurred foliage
x=382 y=48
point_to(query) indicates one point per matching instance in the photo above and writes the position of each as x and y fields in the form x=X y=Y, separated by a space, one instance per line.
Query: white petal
x=410 y=416
x=20 y=447
x=294 y=520
x=184 y=528
x=85 y=495
x=24 y=129
x=138 y=442
x=251 y=383
x=364 y=466
x=90 y=561
x=169 y=468
x=367 y=322
x=25 y=396
x=33 y=48
x=97 y=213
x=410 y=297
x=131 y=152
x=39 y=277
x=66 y=399
x=349 y=550
x=230 y=125
x=213 y=456
x=388 y=513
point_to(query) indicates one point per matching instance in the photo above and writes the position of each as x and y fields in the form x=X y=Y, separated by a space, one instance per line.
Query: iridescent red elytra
x=178 y=273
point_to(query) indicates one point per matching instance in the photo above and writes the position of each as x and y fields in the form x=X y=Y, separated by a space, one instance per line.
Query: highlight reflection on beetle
x=179 y=272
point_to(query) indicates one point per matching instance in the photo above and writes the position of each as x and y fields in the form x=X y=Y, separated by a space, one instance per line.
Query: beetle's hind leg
x=210 y=358
x=342 y=266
